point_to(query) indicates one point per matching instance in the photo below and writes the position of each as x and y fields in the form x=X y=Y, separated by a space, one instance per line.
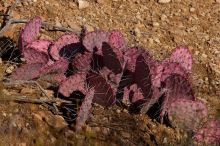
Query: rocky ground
x=158 y=26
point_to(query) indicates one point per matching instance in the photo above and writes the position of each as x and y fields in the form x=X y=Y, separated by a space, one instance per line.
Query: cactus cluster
x=106 y=71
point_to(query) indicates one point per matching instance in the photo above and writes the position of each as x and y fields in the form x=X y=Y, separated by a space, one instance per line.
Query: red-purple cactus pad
x=104 y=94
x=187 y=114
x=93 y=40
x=110 y=76
x=175 y=87
x=40 y=45
x=142 y=75
x=182 y=56
x=30 y=31
x=209 y=133
x=57 y=67
x=164 y=70
x=156 y=94
x=76 y=82
x=82 y=61
x=54 y=71
x=85 y=108
x=156 y=73
x=27 y=71
x=65 y=46
x=130 y=57
x=37 y=52
x=134 y=94
x=117 y=41
x=178 y=86
x=112 y=58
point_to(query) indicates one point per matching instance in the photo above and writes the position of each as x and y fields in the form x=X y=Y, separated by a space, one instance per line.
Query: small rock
x=1 y=61
x=83 y=4
x=196 y=53
x=73 y=25
x=22 y=59
x=57 y=22
x=89 y=28
x=164 y=1
x=118 y=111
x=27 y=90
x=204 y=55
x=125 y=110
x=217 y=1
x=156 y=24
x=105 y=131
x=192 y=9
x=137 y=32
x=157 y=40
x=100 y=1
x=163 y=17
x=165 y=140
x=4 y=114
x=49 y=93
x=151 y=41
x=10 y=69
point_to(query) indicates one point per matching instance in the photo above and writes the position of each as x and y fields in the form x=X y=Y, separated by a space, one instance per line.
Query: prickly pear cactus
x=85 y=108
x=187 y=114
x=65 y=46
x=209 y=133
x=117 y=41
x=182 y=56
x=93 y=41
x=76 y=82
x=30 y=31
x=36 y=52
x=104 y=94
x=175 y=87
x=101 y=61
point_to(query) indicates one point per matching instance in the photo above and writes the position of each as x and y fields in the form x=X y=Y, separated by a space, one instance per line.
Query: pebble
x=163 y=17
x=118 y=111
x=1 y=61
x=82 y=4
x=157 y=40
x=192 y=9
x=49 y=93
x=57 y=22
x=73 y=25
x=217 y=1
x=151 y=41
x=89 y=28
x=196 y=53
x=156 y=24
x=164 y=1
x=100 y=1
x=137 y=32
x=10 y=69
x=22 y=59
x=27 y=91
x=204 y=55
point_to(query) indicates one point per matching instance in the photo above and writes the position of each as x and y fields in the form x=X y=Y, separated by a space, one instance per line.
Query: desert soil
x=158 y=27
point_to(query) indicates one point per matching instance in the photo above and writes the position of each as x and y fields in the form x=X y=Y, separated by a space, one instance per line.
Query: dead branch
x=26 y=99
x=45 y=25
